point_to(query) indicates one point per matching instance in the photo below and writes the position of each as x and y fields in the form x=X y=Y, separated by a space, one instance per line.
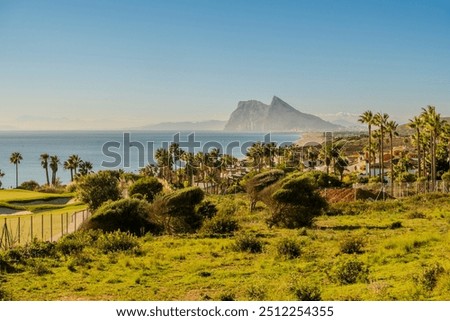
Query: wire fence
x=401 y=189
x=23 y=229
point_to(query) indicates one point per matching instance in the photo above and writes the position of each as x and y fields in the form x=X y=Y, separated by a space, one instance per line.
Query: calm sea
x=91 y=146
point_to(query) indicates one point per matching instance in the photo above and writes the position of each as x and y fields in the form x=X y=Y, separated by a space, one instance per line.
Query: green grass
x=19 y=195
x=199 y=267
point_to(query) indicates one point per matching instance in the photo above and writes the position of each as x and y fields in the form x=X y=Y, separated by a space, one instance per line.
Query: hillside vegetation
x=392 y=250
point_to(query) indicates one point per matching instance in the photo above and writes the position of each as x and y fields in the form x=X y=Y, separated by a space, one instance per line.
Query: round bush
x=129 y=215
x=351 y=271
x=288 y=248
x=248 y=243
x=353 y=245
x=220 y=224
x=148 y=187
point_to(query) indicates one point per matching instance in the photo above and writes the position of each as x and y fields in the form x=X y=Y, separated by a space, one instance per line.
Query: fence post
x=62 y=224
x=75 y=222
x=18 y=231
x=42 y=227
x=51 y=227
x=67 y=223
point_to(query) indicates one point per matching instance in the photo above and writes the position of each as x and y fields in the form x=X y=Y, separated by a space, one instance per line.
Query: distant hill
x=187 y=125
x=254 y=115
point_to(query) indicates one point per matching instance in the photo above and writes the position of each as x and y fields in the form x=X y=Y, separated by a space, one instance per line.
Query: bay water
x=115 y=149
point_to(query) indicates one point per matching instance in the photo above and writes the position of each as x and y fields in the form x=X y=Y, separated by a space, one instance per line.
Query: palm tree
x=2 y=174
x=417 y=124
x=165 y=163
x=368 y=118
x=68 y=165
x=54 y=162
x=44 y=163
x=381 y=120
x=434 y=126
x=325 y=156
x=15 y=159
x=85 y=168
x=256 y=154
x=391 y=129
x=76 y=162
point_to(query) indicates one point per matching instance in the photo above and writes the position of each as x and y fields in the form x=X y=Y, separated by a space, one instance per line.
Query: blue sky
x=115 y=64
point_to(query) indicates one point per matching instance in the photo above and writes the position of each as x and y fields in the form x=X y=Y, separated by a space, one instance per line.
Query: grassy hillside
x=399 y=250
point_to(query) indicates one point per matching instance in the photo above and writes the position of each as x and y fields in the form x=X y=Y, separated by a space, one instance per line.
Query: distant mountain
x=254 y=115
x=187 y=125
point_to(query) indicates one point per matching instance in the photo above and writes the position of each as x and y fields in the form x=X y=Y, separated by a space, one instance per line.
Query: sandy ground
x=311 y=139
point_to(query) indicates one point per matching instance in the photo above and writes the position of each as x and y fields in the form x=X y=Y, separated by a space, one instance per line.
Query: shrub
x=30 y=185
x=429 y=275
x=177 y=210
x=117 y=241
x=130 y=215
x=396 y=225
x=256 y=292
x=5 y=265
x=220 y=224
x=5 y=295
x=39 y=268
x=257 y=183
x=227 y=296
x=416 y=215
x=288 y=248
x=295 y=204
x=96 y=189
x=148 y=187
x=307 y=292
x=351 y=271
x=248 y=243
x=35 y=249
x=207 y=209
x=352 y=245
x=76 y=242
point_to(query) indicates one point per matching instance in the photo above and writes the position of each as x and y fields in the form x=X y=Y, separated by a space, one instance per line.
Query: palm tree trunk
x=17 y=175
x=46 y=176
x=392 y=164
x=370 y=146
x=419 y=163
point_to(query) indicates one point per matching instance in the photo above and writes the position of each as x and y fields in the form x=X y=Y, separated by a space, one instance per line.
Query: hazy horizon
x=83 y=65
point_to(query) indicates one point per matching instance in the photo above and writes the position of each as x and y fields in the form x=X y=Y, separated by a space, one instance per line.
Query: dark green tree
x=96 y=189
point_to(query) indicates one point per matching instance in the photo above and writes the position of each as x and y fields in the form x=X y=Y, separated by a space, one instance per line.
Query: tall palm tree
x=54 y=162
x=44 y=163
x=15 y=159
x=325 y=156
x=2 y=174
x=381 y=120
x=76 y=162
x=434 y=125
x=256 y=154
x=68 y=165
x=391 y=129
x=165 y=163
x=417 y=124
x=73 y=163
x=368 y=118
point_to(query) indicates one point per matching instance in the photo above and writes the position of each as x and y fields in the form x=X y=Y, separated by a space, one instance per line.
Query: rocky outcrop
x=254 y=115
